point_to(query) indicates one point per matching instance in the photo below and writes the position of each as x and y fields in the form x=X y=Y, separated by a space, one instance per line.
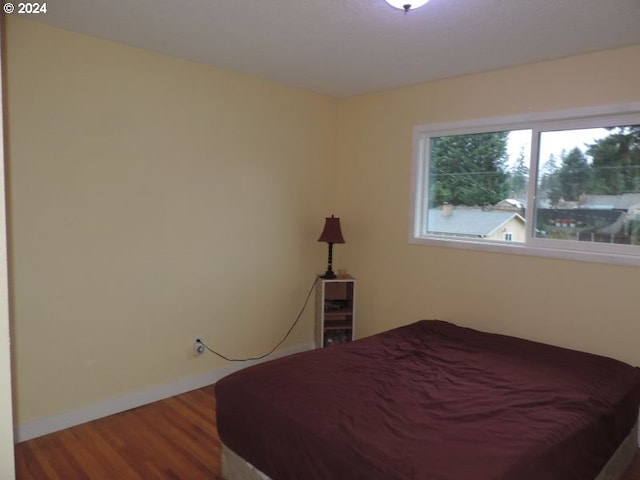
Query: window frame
x=591 y=117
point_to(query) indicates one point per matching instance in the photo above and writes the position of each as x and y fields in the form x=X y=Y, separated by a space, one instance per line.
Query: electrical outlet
x=198 y=347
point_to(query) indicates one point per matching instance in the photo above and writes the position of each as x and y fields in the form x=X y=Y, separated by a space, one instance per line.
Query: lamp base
x=329 y=275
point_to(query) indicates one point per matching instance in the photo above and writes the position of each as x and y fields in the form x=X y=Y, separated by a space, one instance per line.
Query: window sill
x=529 y=250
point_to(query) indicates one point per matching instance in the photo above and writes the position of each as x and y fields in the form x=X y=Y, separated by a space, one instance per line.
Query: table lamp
x=331 y=234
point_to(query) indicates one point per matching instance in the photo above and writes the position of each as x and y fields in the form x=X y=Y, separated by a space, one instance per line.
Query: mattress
x=430 y=400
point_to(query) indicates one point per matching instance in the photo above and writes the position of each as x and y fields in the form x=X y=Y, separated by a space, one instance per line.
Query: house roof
x=510 y=203
x=343 y=48
x=609 y=202
x=469 y=221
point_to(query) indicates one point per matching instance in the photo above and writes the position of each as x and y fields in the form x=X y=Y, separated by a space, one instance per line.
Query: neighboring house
x=593 y=218
x=623 y=229
x=510 y=204
x=474 y=222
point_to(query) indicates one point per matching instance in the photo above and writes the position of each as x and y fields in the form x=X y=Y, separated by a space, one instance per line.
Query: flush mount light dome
x=406 y=5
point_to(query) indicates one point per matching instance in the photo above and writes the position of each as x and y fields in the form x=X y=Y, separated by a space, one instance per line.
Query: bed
x=430 y=400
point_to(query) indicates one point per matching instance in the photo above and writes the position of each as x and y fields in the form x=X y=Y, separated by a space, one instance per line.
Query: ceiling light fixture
x=406 y=5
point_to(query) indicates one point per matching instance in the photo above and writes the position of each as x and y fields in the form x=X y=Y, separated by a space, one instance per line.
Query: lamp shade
x=406 y=5
x=331 y=232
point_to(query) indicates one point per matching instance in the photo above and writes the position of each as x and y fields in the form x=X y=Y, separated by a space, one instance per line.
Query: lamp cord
x=304 y=306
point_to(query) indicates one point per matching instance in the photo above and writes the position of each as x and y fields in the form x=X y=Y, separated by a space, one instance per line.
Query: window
x=564 y=184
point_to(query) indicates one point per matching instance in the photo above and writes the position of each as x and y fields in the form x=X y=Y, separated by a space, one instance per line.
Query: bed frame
x=234 y=467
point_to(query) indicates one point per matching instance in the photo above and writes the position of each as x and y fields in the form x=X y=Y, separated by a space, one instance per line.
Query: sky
x=551 y=143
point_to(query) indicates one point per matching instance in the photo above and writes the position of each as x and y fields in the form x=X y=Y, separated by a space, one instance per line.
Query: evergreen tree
x=549 y=184
x=549 y=180
x=574 y=177
x=469 y=169
x=519 y=177
x=616 y=162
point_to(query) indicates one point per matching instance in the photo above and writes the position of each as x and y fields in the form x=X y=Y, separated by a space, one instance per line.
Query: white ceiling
x=349 y=47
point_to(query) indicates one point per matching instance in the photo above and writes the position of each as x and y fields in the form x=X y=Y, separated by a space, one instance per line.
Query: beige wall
x=581 y=305
x=153 y=200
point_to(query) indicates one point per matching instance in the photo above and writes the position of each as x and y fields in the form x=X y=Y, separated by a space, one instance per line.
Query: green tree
x=574 y=177
x=616 y=162
x=469 y=169
x=549 y=180
x=519 y=177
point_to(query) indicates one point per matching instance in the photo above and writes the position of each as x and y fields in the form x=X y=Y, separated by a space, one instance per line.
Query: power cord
x=306 y=301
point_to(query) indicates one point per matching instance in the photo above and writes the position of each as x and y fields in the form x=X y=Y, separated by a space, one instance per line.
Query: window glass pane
x=478 y=185
x=588 y=186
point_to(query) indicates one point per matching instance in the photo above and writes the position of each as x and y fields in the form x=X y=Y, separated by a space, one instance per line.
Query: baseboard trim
x=42 y=426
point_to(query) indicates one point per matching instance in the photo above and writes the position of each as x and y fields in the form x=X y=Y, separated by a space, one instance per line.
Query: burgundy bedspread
x=430 y=401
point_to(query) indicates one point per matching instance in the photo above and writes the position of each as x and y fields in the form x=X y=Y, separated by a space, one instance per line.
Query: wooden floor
x=174 y=439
